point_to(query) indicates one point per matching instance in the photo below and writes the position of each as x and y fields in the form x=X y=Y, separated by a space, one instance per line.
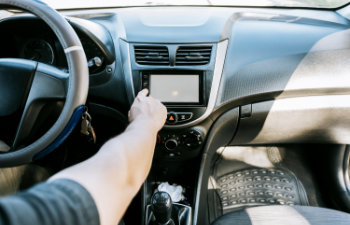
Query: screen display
x=182 y=88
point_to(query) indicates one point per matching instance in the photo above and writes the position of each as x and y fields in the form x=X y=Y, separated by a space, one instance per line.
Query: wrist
x=147 y=123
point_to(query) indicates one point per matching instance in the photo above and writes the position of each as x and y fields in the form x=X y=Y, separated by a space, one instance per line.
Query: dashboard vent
x=193 y=55
x=151 y=55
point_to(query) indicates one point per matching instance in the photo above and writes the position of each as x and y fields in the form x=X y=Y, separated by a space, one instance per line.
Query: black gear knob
x=161 y=205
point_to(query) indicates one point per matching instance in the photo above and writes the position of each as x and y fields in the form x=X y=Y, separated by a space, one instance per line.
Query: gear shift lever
x=161 y=205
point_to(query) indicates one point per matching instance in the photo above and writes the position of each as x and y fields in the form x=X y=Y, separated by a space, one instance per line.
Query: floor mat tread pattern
x=258 y=186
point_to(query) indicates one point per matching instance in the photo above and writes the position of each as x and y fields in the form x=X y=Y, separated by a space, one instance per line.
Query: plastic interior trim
x=218 y=69
x=65 y=133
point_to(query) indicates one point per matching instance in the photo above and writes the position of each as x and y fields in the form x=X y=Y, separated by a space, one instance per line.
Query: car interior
x=258 y=101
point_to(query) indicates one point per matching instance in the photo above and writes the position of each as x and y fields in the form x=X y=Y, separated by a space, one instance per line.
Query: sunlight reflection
x=262 y=157
x=275 y=215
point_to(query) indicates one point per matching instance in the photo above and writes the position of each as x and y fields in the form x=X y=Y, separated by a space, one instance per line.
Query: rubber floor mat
x=256 y=186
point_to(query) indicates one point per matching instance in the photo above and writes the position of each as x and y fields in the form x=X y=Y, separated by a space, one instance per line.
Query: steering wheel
x=26 y=84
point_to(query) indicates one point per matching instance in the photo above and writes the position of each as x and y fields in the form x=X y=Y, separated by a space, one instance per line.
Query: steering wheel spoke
x=49 y=85
x=16 y=76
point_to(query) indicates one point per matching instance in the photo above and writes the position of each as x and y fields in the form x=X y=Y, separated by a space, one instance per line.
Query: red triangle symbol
x=171 y=118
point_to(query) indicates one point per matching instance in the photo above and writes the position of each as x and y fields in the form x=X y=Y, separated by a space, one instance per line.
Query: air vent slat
x=189 y=57
x=193 y=55
x=153 y=62
x=193 y=63
x=151 y=55
x=152 y=58
x=146 y=53
x=195 y=50
x=152 y=48
x=145 y=59
x=155 y=52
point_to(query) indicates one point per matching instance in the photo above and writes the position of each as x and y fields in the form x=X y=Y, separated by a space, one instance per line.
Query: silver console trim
x=127 y=70
x=218 y=68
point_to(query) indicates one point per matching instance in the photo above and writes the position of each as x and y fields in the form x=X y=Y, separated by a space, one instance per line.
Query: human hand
x=148 y=109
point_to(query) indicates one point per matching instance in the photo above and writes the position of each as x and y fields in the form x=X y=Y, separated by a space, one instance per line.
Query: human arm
x=114 y=175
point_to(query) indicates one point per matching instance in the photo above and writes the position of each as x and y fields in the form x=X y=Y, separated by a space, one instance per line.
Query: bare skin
x=115 y=174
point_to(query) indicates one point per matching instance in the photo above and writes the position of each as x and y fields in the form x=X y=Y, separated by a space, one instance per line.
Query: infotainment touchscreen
x=175 y=88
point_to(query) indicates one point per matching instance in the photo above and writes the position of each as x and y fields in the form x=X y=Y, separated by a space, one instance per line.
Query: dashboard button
x=184 y=116
x=145 y=84
x=172 y=118
x=159 y=139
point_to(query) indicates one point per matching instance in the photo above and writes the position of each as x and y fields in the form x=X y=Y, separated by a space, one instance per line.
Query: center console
x=185 y=78
x=184 y=93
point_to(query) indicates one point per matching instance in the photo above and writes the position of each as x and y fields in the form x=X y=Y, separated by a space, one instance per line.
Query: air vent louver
x=193 y=55
x=151 y=55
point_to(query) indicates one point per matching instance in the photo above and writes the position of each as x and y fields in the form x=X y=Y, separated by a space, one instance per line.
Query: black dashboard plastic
x=27 y=37
x=264 y=53
x=98 y=34
x=270 y=53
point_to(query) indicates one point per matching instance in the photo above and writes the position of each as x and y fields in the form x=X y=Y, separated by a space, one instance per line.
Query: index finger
x=144 y=92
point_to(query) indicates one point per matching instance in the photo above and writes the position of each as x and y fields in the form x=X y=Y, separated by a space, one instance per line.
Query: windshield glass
x=72 y=4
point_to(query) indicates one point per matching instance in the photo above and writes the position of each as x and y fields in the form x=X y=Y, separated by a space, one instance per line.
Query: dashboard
x=229 y=76
x=29 y=38
x=204 y=61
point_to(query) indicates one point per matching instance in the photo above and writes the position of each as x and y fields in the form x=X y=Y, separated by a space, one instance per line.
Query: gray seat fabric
x=284 y=215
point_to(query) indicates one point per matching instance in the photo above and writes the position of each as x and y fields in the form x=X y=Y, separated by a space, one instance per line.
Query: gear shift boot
x=161 y=206
x=162 y=211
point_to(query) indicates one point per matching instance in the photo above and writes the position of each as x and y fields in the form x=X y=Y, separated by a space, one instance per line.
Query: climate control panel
x=192 y=139
x=179 y=144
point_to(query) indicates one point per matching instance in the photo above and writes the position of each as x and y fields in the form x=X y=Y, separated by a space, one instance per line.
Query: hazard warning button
x=171 y=118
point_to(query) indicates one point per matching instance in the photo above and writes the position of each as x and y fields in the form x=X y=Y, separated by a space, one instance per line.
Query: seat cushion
x=284 y=215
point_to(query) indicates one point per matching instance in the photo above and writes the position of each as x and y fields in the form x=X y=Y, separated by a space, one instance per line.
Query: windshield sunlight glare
x=71 y=4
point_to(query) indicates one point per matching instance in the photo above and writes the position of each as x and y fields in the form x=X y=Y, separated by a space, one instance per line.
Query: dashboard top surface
x=271 y=53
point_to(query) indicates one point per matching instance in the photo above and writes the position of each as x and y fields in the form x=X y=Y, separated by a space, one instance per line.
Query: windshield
x=75 y=4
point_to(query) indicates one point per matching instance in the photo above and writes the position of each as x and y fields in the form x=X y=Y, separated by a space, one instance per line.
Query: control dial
x=192 y=139
x=171 y=144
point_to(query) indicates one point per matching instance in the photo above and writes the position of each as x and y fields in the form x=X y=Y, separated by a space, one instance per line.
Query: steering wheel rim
x=78 y=83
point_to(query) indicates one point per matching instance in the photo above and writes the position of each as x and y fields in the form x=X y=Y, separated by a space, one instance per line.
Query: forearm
x=114 y=175
x=138 y=142
x=134 y=151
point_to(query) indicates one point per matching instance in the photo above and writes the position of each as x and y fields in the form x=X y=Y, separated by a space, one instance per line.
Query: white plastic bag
x=175 y=191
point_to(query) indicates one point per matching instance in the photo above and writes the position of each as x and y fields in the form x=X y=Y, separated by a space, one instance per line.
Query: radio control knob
x=171 y=144
x=192 y=139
